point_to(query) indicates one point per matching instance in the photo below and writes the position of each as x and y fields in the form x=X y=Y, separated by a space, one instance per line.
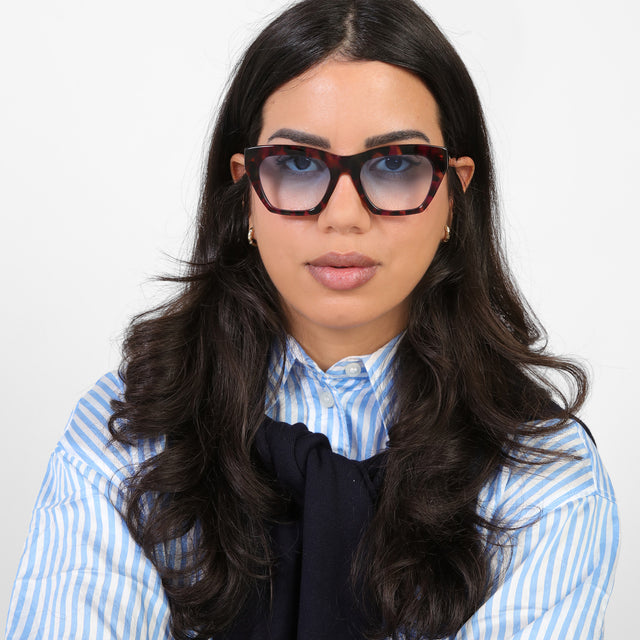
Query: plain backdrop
x=105 y=108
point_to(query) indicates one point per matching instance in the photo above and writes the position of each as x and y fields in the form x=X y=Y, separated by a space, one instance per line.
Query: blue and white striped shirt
x=350 y=402
x=82 y=576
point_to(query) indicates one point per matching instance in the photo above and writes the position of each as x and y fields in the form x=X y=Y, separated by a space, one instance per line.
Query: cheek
x=279 y=242
x=416 y=239
x=413 y=257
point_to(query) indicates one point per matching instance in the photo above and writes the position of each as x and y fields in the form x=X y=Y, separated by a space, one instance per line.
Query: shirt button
x=353 y=369
x=326 y=399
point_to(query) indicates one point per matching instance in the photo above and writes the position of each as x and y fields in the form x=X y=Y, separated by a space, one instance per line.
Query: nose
x=345 y=212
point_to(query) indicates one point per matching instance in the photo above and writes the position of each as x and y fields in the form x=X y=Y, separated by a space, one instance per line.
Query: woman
x=440 y=487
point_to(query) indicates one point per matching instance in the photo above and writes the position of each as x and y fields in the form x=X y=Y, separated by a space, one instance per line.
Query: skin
x=345 y=103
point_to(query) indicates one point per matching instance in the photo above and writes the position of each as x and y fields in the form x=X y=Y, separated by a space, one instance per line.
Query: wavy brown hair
x=472 y=370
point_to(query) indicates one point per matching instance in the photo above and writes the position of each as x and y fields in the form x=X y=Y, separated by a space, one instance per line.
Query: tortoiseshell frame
x=352 y=165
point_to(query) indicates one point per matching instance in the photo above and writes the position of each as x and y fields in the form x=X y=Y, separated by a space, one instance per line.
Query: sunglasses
x=396 y=180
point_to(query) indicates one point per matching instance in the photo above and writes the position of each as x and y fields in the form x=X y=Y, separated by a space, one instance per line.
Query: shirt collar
x=378 y=365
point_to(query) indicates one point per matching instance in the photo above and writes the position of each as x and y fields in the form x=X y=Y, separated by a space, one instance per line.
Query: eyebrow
x=302 y=137
x=394 y=136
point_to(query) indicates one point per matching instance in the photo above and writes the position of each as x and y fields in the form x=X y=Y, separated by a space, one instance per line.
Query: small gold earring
x=447 y=233
x=251 y=239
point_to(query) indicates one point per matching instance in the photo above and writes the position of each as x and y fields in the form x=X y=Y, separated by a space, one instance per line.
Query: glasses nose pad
x=351 y=179
x=346 y=188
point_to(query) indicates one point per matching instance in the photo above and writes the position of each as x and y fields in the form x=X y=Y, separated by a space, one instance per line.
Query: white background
x=104 y=112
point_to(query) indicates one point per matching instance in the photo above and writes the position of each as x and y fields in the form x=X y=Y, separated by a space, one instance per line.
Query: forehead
x=349 y=101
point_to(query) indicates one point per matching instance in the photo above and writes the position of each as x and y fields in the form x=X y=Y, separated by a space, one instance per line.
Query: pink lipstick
x=342 y=271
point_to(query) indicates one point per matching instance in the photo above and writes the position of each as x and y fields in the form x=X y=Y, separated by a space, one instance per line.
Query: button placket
x=326 y=398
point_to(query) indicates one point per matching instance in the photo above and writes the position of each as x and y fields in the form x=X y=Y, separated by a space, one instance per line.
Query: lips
x=343 y=260
x=342 y=271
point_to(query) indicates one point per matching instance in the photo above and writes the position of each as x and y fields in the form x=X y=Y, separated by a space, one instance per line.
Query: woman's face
x=334 y=311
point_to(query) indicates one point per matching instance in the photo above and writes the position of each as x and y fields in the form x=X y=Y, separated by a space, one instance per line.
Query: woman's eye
x=393 y=164
x=298 y=164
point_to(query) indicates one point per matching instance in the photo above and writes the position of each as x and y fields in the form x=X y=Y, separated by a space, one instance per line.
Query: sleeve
x=81 y=574
x=557 y=570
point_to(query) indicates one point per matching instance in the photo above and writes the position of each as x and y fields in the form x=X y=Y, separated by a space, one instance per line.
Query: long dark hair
x=471 y=364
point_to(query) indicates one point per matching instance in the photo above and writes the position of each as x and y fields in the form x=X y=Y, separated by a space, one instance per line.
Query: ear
x=464 y=167
x=236 y=164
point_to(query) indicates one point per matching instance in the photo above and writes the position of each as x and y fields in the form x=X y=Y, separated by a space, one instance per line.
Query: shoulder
x=87 y=445
x=554 y=557
x=571 y=471
x=82 y=574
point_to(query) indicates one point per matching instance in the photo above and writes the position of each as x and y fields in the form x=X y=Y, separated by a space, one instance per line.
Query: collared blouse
x=82 y=575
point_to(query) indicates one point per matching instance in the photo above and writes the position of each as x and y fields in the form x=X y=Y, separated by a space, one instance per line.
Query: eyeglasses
x=395 y=180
